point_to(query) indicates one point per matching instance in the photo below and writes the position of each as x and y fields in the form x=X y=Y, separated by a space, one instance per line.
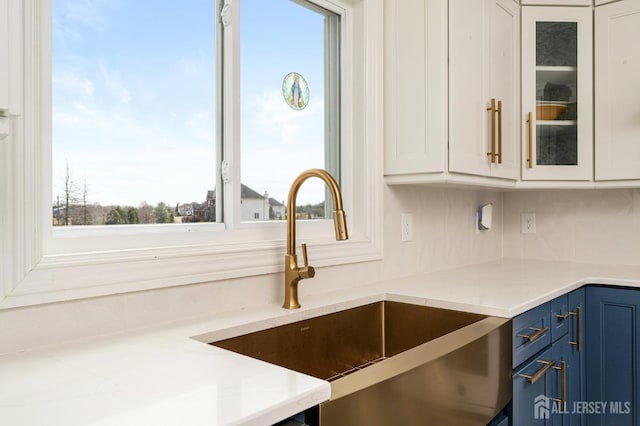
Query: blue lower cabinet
x=544 y=388
x=501 y=420
x=612 y=355
x=532 y=384
x=547 y=385
x=575 y=356
x=504 y=421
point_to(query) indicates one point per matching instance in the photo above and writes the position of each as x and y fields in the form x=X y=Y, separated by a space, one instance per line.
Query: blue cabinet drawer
x=532 y=384
x=531 y=333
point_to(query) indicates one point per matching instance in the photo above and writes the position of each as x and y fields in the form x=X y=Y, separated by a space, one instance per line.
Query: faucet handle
x=305 y=261
x=306 y=271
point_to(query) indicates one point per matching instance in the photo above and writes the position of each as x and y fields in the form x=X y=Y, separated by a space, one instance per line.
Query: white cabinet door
x=4 y=55
x=617 y=91
x=504 y=60
x=483 y=69
x=415 y=58
x=557 y=92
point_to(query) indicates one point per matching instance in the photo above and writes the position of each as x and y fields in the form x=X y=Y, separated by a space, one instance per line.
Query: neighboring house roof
x=275 y=203
x=246 y=192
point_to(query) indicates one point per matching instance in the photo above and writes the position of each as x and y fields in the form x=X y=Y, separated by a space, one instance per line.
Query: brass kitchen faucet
x=292 y=272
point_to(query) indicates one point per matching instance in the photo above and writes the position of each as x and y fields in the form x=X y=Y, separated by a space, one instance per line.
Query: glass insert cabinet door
x=557 y=93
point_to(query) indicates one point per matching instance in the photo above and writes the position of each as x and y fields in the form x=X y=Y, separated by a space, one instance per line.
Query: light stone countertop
x=168 y=376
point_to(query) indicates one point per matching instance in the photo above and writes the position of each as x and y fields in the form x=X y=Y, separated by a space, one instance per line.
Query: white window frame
x=35 y=271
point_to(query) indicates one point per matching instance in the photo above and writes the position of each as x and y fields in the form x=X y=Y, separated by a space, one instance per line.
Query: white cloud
x=126 y=161
x=73 y=18
x=135 y=154
x=273 y=116
x=113 y=84
x=73 y=84
x=191 y=67
x=201 y=126
x=87 y=13
x=278 y=143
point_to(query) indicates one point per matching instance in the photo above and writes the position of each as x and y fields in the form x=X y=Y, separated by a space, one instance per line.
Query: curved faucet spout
x=294 y=273
x=339 y=219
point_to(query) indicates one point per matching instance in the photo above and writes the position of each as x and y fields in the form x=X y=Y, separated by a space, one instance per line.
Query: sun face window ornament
x=295 y=91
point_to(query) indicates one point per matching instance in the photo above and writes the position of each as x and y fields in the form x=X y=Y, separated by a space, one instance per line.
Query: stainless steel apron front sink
x=393 y=363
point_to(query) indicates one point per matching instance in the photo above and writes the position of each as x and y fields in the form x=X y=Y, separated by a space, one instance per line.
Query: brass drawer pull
x=577 y=314
x=563 y=317
x=539 y=332
x=547 y=366
x=563 y=385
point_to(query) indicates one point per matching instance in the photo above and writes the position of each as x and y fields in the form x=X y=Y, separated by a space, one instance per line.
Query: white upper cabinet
x=424 y=142
x=557 y=93
x=484 y=87
x=415 y=57
x=462 y=78
x=617 y=91
x=4 y=56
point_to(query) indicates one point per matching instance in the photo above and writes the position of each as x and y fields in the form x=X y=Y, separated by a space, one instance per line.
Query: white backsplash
x=444 y=236
x=592 y=226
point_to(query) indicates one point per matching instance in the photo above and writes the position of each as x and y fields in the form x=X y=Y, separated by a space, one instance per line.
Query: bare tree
x=86 y=214
x=145 y=213
x=72 y=205
x=70 y=194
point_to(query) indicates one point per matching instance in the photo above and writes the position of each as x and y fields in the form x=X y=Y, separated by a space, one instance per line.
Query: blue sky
x=134 y=98
x=278 y=142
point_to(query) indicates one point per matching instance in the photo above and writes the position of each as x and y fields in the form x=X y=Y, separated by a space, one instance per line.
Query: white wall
x=444 y=236
x=593 y=226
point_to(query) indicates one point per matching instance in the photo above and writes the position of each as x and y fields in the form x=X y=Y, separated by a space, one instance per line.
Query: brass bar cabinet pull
x=578 y=340
x=563 y=317
x=530 y=121
x=499 y=154
x=492 y=110
x=539 y=332
x=563 y=385
x=538 y=374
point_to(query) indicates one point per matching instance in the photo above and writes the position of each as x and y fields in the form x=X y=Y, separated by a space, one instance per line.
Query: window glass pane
x=285 y=70
x=133 y=111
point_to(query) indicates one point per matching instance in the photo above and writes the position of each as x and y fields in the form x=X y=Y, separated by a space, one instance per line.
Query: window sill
x=69 y=277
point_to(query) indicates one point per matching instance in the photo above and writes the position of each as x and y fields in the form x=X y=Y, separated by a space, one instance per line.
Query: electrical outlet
x=527 y=223
x=406 y=224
